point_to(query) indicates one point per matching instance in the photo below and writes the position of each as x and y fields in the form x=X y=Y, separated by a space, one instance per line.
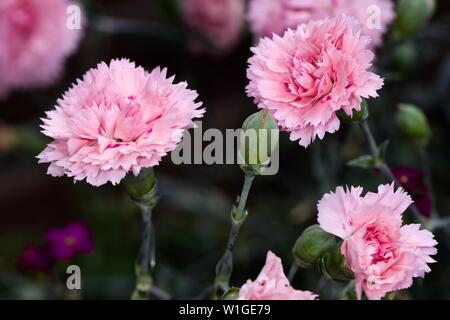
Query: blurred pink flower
x=118 y=119
x=413 y=181
x=219 y=21
x=34 y=42
x=384 y=255
x=65 y=243
x=272 y=284
x=308 y=74
x=35 y=258
x=275 y=16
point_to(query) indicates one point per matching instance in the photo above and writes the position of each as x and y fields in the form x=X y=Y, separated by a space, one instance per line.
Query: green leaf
x=382 y=149
x=365 y=162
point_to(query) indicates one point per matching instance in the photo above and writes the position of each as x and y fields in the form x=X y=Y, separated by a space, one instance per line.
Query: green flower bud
x=412 y=123
x=404 y=57
x=412 y=15
x=231 y=294
x=332 y=265
x=258 y=140
x=357 y=116
x=142 y=188
x=311 y=245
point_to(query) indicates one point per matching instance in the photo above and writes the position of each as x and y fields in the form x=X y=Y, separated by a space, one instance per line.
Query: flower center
x=22 y=18
x=379 y=239
x=70 y=241
x=404 y=180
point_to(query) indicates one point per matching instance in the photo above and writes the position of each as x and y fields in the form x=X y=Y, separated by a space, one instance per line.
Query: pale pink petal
x=336 y=210
x=272 y=284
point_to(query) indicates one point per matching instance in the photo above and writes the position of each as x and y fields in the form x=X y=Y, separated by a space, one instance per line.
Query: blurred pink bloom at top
x=272 y=284
x=118 y=119
x=219 y=21
x=308 y=74
x=384 y=255
x=34 y=42
x=275 y=16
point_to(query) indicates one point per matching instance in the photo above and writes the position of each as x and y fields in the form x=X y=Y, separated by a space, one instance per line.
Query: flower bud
x=231 y=294
x=142 y=188
x=412 y=123
x=412 y=15
x=258 y=140
x=404 y=57
x=8 y=138
x=357 y=116
x=332 y=265
x=311 y=245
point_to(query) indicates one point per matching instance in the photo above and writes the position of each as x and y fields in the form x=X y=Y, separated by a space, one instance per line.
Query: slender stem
x=370 y=138
x=148 y=243
x=321 y=283
x=384 y=168
x=245 y=191
x=224 y=267
x=146 y=267
x=292 y=271
x=208 y=291
x=428 y=180
x=159 y=293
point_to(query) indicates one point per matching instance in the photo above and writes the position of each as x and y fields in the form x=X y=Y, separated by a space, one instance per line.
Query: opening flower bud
x=412 y=123
x=412 y=15
x=258 y=139
x=311 y=245
x=332 y=265
x=356 y=116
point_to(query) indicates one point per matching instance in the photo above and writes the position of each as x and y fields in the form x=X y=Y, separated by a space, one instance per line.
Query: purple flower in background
x=35 y=258
x=66 y=242
x=412 y=180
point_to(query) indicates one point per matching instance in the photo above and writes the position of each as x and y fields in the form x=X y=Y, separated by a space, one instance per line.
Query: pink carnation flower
x=384 y=255
x=220 y=21
x=118 y=119
x=272 y=284
x=308 y=74
x=34 y=42
x=275 y=16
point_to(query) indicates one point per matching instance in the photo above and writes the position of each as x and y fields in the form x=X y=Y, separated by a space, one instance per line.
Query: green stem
x=146 y=267
x=244 y=193
x=384 y=168
x=292 y=271
x=224 y=267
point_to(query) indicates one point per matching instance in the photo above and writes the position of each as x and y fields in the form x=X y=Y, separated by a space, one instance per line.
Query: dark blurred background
x=192 y=218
